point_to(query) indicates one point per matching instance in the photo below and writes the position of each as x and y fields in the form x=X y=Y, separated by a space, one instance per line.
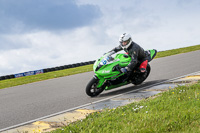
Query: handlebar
x=111 y=53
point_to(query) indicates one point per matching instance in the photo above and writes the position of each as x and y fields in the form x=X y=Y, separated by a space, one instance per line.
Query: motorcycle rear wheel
x=91 y=88
x=141 y=77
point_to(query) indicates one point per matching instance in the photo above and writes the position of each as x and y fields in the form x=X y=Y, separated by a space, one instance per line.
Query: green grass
x=44 y=76
x=177 y=51
x=61 y=73
x=176 y=111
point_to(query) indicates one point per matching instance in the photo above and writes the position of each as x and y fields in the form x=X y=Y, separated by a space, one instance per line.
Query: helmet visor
x=124 y=43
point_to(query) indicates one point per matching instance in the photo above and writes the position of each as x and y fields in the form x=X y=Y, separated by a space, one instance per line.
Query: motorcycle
x=108 y=75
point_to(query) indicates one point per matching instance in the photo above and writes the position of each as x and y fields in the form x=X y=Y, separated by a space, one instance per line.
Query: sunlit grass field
x=176 y=111
x=177 y=51
x=61 y=73
x=44 y=76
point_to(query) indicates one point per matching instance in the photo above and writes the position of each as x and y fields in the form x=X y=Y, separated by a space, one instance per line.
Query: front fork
x=107 y=85
x=101 y=80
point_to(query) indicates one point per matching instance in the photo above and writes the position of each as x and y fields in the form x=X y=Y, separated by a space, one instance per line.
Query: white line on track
x=61 y=112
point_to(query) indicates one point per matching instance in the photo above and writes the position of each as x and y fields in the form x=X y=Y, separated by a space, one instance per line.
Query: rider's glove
x=124 y=70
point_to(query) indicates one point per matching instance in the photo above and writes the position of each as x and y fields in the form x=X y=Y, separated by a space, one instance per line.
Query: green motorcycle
x=108 y=75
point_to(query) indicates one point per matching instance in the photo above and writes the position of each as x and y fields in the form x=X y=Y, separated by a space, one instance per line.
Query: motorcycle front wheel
x=91 y=88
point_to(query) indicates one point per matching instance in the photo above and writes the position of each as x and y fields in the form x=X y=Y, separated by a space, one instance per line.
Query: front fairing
x=124 y=59
x=106 y=68
x=103 y=67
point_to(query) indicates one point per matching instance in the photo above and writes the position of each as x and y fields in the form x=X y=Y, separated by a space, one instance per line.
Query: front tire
x=91 y=88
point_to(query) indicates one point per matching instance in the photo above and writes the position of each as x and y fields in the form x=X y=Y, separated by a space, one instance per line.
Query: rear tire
x=91 y=88
x=140 y=77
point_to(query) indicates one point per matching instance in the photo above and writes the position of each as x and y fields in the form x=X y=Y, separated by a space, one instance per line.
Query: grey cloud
x=45 y=14
x=7 y=44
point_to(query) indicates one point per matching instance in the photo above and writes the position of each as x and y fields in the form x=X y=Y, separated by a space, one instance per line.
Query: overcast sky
x=37 y=34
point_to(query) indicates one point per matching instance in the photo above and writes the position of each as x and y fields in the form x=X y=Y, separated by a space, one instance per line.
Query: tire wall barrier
x=35 y=72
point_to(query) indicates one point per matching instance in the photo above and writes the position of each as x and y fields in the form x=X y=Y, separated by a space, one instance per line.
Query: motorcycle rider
x=136 y=53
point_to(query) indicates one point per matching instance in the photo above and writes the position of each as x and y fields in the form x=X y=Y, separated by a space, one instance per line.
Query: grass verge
x=177 y=51
x=44 y=76
x=61 y=73
x=176 y=110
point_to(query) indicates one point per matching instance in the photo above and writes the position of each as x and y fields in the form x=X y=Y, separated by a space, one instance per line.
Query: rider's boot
x=143 y=66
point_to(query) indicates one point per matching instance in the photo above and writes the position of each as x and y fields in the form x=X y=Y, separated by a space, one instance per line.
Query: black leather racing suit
x=136 y=53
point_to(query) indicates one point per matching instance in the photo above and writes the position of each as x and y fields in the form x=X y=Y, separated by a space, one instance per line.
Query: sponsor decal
x=38 y=71
x=29 y=73
x=106 y=71
x=19 y=75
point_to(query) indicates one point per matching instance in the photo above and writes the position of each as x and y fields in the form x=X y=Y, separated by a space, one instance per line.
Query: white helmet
x=125 y=38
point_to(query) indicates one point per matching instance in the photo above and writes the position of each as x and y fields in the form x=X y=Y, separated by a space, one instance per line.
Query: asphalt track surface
x=31 y=101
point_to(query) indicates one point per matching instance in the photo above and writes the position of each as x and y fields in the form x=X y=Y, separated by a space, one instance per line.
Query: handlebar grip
x=111 y=53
